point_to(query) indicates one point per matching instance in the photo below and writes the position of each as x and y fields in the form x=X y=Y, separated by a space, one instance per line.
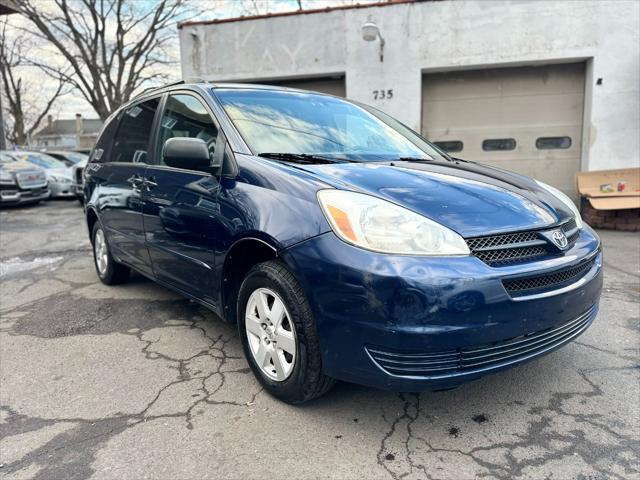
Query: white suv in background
x=21 y=182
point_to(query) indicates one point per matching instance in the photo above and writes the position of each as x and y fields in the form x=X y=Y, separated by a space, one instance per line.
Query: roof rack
x=178 y=82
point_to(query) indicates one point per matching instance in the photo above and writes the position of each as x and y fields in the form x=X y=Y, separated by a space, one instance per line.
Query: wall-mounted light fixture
x=371 y=33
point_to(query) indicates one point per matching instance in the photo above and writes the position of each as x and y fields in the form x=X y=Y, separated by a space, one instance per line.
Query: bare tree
x=111 y=47
x=26 y=110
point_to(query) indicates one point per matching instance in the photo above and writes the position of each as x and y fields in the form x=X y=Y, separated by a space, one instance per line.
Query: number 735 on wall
x=383 y=94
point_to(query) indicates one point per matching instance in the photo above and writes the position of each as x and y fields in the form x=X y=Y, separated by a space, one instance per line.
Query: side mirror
x=187 y=153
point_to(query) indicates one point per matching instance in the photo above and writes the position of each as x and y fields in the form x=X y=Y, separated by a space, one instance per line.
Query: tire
x=109 y=271
x=301 y=376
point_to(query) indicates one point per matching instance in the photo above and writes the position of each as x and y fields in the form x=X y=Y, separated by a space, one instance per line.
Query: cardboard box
x=611 y=189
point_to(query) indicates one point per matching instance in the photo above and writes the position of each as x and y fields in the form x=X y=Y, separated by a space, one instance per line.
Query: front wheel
x=279 y=334
x=109 y=271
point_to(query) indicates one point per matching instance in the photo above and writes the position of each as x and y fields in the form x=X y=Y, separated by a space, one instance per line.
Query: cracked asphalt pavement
x=137 y=382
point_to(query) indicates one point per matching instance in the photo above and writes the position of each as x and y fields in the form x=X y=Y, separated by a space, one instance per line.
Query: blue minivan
x=343 y=244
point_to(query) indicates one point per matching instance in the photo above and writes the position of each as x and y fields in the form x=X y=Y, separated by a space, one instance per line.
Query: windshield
x=273 y=121
x=76 y=157
x=41 y=160
x=5 y=158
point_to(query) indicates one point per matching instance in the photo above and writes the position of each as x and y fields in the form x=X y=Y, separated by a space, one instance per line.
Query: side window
x=185 y=116
x=101 y=150
x=132 y=140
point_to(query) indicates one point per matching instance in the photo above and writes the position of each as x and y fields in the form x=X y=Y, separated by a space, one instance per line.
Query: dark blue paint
x=119 y=203
x=181 y=230
x=409 y=303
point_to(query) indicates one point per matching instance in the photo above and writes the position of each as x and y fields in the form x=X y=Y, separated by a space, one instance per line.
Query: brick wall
x=628 y=219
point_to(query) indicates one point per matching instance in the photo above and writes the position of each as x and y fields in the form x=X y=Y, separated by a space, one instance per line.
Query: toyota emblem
x=560 y=239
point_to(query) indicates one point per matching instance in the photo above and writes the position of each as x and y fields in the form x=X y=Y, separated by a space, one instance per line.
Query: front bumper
x=61 y=189
x=414 y=323
x=12 y=197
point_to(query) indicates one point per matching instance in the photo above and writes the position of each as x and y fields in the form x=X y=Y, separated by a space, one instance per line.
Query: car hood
x=59 y=172
x=19 y=166
x=470 y=198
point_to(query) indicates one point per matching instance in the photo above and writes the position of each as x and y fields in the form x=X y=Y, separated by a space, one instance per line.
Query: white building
x=79 y=133
x=546 y=88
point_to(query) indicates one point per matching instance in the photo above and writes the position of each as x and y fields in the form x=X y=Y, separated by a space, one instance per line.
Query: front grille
x=30 y=179
x=571 y=231
x=496 y=250
x=481 y=357
x=500 y=240
x=550 y=280
x=570 y=225
x=511 y=254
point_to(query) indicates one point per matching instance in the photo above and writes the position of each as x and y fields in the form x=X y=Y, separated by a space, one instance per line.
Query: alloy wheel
x=270 y=334
x=101 y=252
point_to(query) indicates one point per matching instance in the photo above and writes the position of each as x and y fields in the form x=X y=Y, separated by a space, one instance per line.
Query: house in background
x=75 y=134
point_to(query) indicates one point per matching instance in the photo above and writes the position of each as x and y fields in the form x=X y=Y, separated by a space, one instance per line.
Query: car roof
x=196 y=85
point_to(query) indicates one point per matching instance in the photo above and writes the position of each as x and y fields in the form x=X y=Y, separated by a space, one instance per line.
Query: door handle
x=150 y=183
x=136 y=181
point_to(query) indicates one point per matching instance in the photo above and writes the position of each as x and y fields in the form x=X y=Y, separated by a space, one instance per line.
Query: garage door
x=332 y=86
x=526 y=119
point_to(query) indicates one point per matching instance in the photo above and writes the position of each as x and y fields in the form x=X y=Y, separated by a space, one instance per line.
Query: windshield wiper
x=413 y=159
x=299 y=157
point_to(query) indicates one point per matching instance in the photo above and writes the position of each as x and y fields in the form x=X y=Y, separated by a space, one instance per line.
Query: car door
x=120 y=182
x=181 y=207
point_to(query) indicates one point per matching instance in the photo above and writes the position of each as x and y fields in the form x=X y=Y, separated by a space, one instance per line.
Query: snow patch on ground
x=16 y=264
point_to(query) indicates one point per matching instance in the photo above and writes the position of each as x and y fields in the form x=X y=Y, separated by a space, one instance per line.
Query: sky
x=70 y=104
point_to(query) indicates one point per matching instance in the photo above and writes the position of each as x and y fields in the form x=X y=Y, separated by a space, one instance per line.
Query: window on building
x=132 y=140
x=499 y=144
x=551 y=143
x=450 y=146
x=186 y=116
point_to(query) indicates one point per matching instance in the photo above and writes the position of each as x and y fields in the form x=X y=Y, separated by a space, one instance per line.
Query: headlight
x=382 y=226
x=564 y=199
x=58 y=179
x=6 y=178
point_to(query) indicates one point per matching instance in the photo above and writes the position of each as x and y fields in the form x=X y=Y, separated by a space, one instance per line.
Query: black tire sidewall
x=289 y=389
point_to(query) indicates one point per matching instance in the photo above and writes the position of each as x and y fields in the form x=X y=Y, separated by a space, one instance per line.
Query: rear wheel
x=279 y=334
x=109 y=271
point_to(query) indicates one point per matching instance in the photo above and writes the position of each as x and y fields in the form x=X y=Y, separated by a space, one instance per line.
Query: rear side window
x=551 y=143
x=132 y=140
x=450 y=146
x=101 y=150
x=499 y=144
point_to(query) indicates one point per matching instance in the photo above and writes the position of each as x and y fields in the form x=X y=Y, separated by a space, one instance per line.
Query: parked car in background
x=21 y=182
x=69 y=158
x=59 y=175
x=342 y=244
x=76 y=174
x=76 y=161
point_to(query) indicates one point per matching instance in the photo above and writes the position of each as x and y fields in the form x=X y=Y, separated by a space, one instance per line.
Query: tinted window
x=450 y=145
x=186 y=116
x=275 y=121
x=499 y=144
x=548 y=143
x=101 y=151
x=132 y=139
